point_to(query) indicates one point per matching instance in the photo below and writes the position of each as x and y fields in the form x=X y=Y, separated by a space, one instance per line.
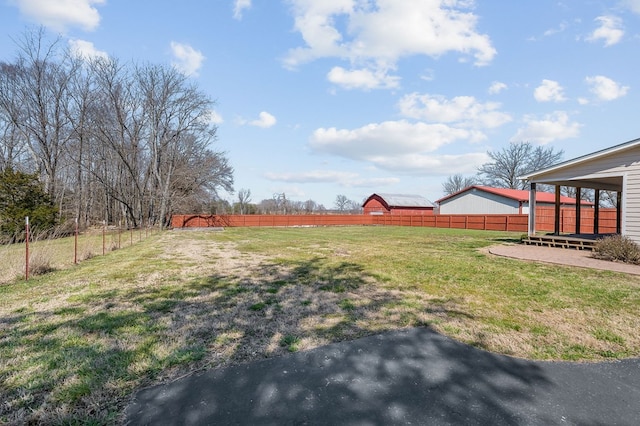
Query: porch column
x=556 y=216
x=578 y=209
x=619 y=213
x=532 y=210
x=596 y=212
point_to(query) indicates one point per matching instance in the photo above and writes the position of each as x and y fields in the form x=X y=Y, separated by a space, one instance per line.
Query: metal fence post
x=75 y=244
x=26 y=269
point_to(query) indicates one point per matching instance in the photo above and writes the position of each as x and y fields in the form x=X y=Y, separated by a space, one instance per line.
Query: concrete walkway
x=560 y=256
x=412 y=376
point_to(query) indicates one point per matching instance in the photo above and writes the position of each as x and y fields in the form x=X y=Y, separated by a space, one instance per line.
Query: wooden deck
x=578 y=242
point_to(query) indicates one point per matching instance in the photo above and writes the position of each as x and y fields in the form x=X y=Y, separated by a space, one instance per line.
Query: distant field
x=75 y=344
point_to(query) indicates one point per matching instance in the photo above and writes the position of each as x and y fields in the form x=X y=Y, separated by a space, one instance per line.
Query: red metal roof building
x=478 y=199
x=397 y=204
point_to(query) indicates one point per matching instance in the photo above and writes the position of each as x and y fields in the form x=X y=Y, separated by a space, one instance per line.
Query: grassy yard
x=59 y=253
x=75 y=344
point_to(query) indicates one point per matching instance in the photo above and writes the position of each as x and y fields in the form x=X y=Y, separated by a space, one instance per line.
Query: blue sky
x=320 y=98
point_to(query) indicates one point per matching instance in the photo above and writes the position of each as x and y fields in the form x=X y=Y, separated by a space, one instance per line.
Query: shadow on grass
x=507 y=240
x=83 y=359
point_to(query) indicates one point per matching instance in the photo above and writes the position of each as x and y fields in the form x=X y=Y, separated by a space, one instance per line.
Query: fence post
x=26 y=269
x=75 y=244
x=104 y=226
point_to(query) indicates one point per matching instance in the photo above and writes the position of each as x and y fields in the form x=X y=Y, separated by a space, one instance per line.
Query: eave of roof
x=588 y=157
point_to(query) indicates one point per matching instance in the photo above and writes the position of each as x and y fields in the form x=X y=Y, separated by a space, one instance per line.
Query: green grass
x=60 y=253
x=74 y=344
x=290 y=342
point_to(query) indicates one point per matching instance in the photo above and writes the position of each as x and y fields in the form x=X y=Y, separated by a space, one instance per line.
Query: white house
x=614 y=169
x=478 y=199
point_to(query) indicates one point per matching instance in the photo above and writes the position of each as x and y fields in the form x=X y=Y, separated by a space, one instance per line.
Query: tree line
x=109 y=141
x=279 y=203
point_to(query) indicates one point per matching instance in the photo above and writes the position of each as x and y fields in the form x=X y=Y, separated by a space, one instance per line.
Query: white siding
x=624 y=164
x=631 y=205
x=479 y=202
x=610 y=165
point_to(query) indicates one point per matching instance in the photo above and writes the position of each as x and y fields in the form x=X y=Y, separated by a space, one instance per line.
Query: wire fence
x=38 y=251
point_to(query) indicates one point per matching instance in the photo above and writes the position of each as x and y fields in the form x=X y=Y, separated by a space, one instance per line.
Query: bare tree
x=310 y=206
x=36 y=104
x=355 y=207
x=118 y=144
x=244 y=198
x=342 y=203
x=281 y=203
x=109 y=140
x=268 y=206
x=608 y=199
x=516 y=160
x=457 y=183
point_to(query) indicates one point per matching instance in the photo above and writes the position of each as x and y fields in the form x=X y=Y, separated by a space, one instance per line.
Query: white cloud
x=61 y=14
x=555 y=126
x=497 y=87
x=313 y=176
x=186 y=59
x=428 y=75
x=399 y=146
x=265 y=120
x=86 y=49
x=606 y=89
x=610 y=30
x=345 y=179
x=362 y=79
x=562 y=27
x=384 y=139
x=239 y=6
x=465 y=111
x=434 y=165
x=549 y=91
x=215 y=117
x=376 y=34
x=633 y=5
x=371 y=182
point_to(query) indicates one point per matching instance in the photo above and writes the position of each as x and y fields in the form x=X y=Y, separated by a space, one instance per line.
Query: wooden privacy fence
x=204 y=221
x=493 y=222
x=490 y=222
x=545 y=219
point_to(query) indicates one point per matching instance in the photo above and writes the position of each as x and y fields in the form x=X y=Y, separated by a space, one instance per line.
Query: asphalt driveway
x=412 y=376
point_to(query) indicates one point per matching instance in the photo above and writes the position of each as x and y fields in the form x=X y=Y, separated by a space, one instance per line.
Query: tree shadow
x=507 y=240
x=410 y=376
x=242 y=317
x=413 y=376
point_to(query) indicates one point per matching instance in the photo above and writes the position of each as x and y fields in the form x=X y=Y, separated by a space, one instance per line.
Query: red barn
x=399 y=204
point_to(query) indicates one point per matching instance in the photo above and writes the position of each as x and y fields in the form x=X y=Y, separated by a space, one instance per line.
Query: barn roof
x=516 y=194
x=402 y=200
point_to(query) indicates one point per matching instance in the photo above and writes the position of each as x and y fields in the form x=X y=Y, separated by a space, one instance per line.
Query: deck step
x=560 y=242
